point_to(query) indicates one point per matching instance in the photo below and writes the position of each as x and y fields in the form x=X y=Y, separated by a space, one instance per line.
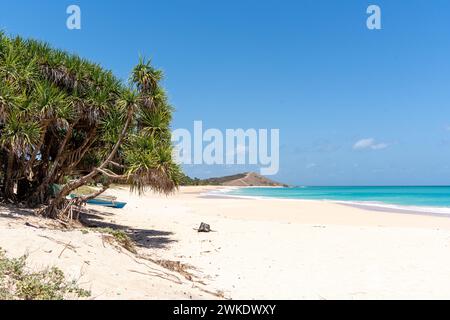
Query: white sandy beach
x=260 y=249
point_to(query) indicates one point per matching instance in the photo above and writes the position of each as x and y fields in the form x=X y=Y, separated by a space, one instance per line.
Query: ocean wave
x=229 y=192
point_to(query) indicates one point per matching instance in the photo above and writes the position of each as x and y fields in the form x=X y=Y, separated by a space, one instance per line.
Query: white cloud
x=369 y=143
x=311 y=165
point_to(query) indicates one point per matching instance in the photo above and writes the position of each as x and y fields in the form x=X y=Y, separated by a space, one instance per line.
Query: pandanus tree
x=66 y=121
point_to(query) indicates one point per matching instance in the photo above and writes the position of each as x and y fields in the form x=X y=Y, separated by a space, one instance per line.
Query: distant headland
x=247 y=179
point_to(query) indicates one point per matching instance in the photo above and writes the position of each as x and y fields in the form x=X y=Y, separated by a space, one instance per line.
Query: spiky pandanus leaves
x=18 y=135
x=145 y=77
x=62 y=117
x=150 y=164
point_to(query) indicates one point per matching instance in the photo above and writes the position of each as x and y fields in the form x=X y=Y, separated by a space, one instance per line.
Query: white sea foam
x=371 y=205
x=405 y=208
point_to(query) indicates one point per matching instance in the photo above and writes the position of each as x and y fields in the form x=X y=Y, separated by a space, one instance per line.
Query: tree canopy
x=67 y=121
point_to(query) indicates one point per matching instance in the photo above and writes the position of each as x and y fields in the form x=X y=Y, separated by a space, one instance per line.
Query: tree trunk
x=29 y=167
x=59 y=203
x=40 y=194
x=8 y=190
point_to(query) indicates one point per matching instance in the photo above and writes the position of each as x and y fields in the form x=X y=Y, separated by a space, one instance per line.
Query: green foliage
x=18 y=283
x=188 y=181
x=62 y=116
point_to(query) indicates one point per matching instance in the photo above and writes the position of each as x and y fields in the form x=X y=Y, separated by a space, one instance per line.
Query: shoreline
x=366 y=205
x=302 y=249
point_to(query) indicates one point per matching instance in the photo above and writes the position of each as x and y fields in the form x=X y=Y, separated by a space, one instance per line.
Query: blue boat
x=104 y=202
x=107 y=203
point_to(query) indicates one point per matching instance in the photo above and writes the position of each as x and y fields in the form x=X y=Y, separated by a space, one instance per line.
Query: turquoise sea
x=401 y=197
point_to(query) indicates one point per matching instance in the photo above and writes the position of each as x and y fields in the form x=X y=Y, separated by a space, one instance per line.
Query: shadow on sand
x=13 y=212
x=144 y=238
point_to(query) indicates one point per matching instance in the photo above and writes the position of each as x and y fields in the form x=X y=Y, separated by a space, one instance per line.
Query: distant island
x=247 y=179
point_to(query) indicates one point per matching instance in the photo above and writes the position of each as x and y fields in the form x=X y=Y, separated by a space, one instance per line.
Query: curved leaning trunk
x=74 y=158
x=58 y=205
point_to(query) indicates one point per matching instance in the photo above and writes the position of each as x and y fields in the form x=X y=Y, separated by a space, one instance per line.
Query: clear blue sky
x=310 y=68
